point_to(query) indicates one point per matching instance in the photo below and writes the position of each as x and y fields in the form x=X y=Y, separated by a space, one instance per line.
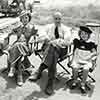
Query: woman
x=57 y=39
x=19 y=51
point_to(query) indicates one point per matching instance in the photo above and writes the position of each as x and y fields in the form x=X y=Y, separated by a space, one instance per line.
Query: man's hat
x=86 y=29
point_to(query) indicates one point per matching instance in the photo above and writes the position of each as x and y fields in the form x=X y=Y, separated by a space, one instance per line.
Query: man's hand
x=57 y=42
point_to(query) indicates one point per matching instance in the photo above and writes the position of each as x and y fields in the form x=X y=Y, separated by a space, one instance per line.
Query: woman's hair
x=28 y=14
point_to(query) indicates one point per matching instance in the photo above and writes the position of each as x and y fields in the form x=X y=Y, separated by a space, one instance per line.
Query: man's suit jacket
x=64 y=34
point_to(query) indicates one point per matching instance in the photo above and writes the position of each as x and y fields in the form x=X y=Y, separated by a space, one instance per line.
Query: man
x=57 y=39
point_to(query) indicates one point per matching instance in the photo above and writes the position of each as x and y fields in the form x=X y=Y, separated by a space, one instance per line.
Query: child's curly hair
x=85 y=29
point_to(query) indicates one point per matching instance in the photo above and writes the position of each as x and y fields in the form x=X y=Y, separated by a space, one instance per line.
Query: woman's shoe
x=83 y=89
x=19 y=80
x=74 y=84
x=36 y=76
x=11 y=72
x=20 y=83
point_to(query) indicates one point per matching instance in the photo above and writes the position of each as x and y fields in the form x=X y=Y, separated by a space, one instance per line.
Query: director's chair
x=67 y=56
x=21 y=58
x=39 y=52
x=95 y=29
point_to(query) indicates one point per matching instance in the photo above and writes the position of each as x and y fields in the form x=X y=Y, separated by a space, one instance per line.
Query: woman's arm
x=16 y=31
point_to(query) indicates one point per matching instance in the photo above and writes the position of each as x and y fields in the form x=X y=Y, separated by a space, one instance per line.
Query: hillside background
x=74 y=11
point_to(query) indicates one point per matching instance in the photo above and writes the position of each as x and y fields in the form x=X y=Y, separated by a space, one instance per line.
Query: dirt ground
x=35 y=91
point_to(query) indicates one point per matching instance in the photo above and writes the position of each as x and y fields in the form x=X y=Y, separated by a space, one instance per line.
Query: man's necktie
x=56 y=32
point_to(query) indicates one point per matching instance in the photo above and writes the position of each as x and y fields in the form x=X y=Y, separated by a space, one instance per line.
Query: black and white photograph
x=49 y=49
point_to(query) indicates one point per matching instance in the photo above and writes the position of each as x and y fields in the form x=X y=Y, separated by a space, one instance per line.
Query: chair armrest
x=65 y=56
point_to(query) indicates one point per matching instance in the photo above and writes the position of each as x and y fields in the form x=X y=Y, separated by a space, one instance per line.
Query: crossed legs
x=50 y=59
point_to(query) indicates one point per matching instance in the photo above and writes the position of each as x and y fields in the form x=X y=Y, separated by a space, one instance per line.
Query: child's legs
x=75 y=70
x=86 y=68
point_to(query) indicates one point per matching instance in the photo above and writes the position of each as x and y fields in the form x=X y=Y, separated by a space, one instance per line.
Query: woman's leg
x=12 y=59
x=26 y=62
x=11 y=69
x=19 y=73
x=46 y=61
x=37 y=75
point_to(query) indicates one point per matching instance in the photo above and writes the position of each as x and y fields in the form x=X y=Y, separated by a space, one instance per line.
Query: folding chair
x=88 y=83
x=68 y=56
x=96 y=30
x=7 y=40
x=4 y=52
x=39 y=52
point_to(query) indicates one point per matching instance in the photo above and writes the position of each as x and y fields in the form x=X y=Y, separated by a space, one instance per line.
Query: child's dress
x=82 y=54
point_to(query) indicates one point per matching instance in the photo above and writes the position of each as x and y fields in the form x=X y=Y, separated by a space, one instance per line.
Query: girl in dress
x=84 y=55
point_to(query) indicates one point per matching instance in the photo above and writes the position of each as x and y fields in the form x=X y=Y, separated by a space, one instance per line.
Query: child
x=84 y=53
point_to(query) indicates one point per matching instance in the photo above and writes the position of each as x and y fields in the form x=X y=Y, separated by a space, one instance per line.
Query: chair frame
x=19 y=58
x=67 y=56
